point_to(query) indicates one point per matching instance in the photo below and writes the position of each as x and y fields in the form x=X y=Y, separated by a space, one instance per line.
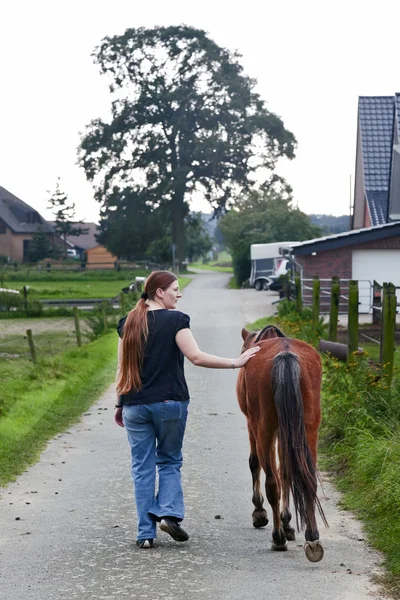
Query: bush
x=241 y=267
x=99 y=322
x=10 y=300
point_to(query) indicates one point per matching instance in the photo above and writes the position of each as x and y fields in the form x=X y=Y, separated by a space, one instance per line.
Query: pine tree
x=40 y=246
x=64 y=214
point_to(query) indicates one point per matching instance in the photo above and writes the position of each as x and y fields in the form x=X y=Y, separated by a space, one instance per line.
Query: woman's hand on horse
x=246 y=356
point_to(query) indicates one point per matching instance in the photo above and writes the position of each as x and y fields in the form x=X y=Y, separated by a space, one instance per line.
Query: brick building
x=369 y=254
x=18 y=224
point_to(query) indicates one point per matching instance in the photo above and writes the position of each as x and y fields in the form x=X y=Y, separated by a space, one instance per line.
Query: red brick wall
x=338 y=262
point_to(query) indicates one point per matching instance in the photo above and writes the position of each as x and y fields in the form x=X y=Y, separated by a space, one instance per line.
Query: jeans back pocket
x=170 y=410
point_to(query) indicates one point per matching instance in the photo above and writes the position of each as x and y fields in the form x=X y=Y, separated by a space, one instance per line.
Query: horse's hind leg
x=259 y=514
x=272 y=486
x=286 y=515
x=313 y=547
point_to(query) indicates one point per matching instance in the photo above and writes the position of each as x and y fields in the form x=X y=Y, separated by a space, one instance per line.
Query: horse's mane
x=278 y=332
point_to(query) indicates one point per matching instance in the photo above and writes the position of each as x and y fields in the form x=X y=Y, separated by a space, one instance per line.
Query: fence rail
x=365 y=294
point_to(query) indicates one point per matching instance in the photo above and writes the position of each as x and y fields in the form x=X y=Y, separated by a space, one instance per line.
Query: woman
x=153 y=401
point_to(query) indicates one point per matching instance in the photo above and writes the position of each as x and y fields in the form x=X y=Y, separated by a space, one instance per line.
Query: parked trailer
x=266 y=261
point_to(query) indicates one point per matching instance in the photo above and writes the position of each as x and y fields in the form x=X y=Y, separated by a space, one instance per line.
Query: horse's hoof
x=290 y=534
x=314 y=551
x=279 y=547
x=260 y=519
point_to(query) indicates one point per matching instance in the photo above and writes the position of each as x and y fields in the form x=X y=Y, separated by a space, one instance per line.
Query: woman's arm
x=188 y=346
x=118 y=411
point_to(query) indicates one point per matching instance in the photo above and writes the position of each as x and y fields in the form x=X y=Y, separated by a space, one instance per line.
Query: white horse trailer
x=265 y=262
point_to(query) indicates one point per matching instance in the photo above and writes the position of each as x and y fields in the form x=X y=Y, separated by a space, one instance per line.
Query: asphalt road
x=67 y=526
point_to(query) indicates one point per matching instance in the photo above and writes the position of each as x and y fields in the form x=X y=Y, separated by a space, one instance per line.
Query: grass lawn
x=63 y=290
x=78 y=289
x=40 y=400
x=223 y=264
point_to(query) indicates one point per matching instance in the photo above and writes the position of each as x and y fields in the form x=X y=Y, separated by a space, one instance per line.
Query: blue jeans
x=155 y=433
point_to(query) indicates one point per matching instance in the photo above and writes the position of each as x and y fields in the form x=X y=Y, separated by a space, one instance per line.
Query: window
x=26 y=249
x=3 y=227
x=33 y=217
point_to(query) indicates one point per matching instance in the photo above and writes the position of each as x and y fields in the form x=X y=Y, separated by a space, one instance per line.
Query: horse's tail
x=298 y=471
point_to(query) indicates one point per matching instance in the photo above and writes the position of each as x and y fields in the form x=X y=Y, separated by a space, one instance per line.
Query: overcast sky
x=312 y=60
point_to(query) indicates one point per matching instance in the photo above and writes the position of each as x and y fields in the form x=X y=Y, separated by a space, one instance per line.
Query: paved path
x=67 y=525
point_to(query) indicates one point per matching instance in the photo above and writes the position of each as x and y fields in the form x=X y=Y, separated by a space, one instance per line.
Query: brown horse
x=279 y=392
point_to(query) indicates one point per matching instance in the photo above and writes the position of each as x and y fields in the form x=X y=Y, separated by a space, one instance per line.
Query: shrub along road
x=67 y=526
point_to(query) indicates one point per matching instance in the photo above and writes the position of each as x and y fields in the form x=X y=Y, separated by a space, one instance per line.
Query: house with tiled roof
x=18 y=224
x=377 y=178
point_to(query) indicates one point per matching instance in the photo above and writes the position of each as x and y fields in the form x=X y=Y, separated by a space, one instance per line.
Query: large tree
x=259 y=218
x=184 y=119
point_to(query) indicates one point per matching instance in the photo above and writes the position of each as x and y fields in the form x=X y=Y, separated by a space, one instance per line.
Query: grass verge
x=51 y=396
x=359 y=440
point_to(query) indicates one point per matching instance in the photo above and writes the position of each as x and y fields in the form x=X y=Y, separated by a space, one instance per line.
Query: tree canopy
x=261 y=218
x=185 y=119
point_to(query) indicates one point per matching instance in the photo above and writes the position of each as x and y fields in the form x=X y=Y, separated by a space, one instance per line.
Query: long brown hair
x=136 y=332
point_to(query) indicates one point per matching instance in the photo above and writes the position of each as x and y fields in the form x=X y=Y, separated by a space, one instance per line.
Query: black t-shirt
x=162 y=375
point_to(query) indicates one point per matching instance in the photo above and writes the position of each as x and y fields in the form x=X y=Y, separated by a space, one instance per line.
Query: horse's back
x=255 y=388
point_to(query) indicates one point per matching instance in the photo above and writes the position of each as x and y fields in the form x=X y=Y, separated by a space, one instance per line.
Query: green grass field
x=41 y=400
x=79 y=288
x=63 y=290
x=223 y=264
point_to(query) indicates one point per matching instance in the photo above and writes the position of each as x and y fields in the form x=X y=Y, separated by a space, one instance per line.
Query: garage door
x=379 y=265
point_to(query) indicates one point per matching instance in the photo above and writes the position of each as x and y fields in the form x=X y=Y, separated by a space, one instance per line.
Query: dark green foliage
x=198 y=242
x=184 y=117
x=12 y=305
x=10 y=301
x=100 y=321
x=330 y=224
x=40 y=246
x=129 y=224
x=260 y=218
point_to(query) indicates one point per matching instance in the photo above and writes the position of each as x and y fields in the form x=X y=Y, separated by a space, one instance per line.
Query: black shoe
x=174 y=530
x=144 y=544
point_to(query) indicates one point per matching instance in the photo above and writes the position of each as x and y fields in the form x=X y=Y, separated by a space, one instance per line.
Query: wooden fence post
x=316 y=300
x=389 y=302
x=31 y=343
x=299 y=300
x=352 y=326
x=334 y=311
x=77 y=327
